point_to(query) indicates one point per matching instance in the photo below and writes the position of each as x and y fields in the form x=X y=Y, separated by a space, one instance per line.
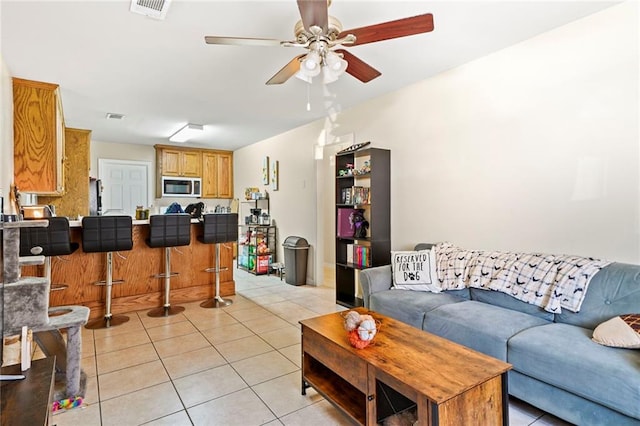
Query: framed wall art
x=274 y=175
x=265 y=171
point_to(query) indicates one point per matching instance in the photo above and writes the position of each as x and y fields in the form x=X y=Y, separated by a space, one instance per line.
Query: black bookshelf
x=367 y=189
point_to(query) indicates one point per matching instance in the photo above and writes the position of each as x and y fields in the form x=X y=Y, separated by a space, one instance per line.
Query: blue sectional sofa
x=556 y=365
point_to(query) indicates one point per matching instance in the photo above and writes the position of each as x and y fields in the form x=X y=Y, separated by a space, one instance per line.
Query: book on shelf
x=359 y=255
x=355 y=195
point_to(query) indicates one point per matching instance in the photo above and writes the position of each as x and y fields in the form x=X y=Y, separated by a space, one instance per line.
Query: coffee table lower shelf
x=405 y=368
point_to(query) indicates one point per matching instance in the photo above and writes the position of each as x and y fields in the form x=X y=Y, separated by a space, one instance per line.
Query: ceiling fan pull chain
x=308 y=98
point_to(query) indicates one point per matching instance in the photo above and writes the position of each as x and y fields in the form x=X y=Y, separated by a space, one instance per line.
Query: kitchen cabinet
x=179 y=162
x=217 y=174
x=38 y=133
x=75 y=201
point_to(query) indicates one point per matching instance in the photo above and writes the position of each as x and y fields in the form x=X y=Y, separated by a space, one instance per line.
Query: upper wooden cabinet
x=178 y=162
x=38 y=131
x=217 y=174
x=214 y=167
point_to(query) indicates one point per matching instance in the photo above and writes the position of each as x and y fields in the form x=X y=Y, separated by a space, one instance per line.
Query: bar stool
x=218 y=228
x=106 y=234
x=53 y=240
x=168 y=230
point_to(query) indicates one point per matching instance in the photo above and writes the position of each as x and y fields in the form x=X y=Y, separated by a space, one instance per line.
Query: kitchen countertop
x=78 y=223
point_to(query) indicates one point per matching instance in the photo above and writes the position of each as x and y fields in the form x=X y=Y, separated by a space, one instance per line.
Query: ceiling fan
x=323 y=37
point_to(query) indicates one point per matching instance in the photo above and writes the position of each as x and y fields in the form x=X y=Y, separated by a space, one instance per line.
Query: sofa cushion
x=504 y=300
x=485 y=328
x=614 y=290
x=410 y=306
x=564 y=355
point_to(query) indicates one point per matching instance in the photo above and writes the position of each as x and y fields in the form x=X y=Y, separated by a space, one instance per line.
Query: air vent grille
x=153 y=8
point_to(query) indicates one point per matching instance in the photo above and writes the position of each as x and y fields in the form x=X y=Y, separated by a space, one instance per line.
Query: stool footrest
x=105 y=283
x=163 y=275
x=216 y=270
x=58 y=287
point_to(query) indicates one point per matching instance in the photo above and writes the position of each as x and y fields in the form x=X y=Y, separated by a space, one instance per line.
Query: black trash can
x=296 y=251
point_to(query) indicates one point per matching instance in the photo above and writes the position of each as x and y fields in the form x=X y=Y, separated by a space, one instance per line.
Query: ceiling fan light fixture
x=302 y=76
x=187 y=132
x=335 y=62
x=329 y=75
x=311 y=63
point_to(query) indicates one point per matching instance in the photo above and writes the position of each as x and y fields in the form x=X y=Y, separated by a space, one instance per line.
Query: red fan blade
x=314 y=12
x=358 y=68
x=392 y=29
x=286 y=72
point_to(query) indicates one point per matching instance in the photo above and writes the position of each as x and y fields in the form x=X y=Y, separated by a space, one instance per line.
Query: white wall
x=120 y=151
x=293 y=206
x=533 y=148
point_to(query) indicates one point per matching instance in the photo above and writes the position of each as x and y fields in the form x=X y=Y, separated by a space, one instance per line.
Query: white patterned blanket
x=550 y=281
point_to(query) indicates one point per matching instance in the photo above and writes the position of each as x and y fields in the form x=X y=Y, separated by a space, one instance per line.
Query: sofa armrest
x=374 y=280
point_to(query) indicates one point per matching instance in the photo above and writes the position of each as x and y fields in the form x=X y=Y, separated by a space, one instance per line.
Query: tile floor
x=239 y=365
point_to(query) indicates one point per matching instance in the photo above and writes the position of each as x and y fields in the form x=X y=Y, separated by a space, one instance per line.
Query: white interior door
x=125 y=185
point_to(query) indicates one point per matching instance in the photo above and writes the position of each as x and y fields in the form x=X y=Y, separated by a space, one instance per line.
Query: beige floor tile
x=88 y=365
x=180 y=344
x=131 y=379
x=227 y=333
x=88 y=346
x=293 y=353
x=266 y=323
x=133 y=324
x=181 y=418
x=149 y=322
x=142 y=406
x=264 y=367
x=170 y=330
x=243 y=348
x=283 y=337
x=242 y=408
x=188 y=363
x=283 y=395
x=86 y=415
x=267 y=299
x=208 y=322
x=91 y=395
x=121 y=341
x=124 y=358
x=207 y=385
x=249 y=314
x=319 y=414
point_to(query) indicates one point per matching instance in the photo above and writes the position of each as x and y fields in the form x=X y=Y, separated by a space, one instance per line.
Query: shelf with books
x=362 y=195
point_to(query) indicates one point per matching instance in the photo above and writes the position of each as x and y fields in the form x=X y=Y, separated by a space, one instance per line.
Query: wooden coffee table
x=450 y=384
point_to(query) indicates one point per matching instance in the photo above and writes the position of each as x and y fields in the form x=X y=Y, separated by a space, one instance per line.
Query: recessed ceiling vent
x=152 y=8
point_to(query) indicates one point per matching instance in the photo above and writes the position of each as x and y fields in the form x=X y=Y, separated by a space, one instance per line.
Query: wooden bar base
x=139 y=268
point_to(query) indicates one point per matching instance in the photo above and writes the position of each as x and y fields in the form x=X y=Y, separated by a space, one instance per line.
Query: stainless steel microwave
x=181 y=187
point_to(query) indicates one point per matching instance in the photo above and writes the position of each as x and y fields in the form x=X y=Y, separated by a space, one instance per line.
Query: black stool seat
x=106 y=234
x=217 y=229
x=102 y=234
x=167 y=231
x=53 y=240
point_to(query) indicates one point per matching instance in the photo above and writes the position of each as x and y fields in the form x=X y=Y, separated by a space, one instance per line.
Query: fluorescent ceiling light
x=187 y=132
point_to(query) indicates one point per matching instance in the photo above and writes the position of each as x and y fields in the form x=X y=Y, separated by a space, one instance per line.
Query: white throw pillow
x=415 y=270
x=620 y=332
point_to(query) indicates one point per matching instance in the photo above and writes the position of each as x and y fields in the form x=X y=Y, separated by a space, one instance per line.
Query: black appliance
x=95 y=197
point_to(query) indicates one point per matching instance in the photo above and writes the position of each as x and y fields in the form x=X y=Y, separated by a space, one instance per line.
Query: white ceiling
x=161 y=74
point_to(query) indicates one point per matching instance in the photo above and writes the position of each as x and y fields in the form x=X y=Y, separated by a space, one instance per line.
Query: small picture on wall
x=265 y=171
x=274 y=175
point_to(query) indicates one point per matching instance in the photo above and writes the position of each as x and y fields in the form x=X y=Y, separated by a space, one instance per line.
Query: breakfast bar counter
x=140 y=289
